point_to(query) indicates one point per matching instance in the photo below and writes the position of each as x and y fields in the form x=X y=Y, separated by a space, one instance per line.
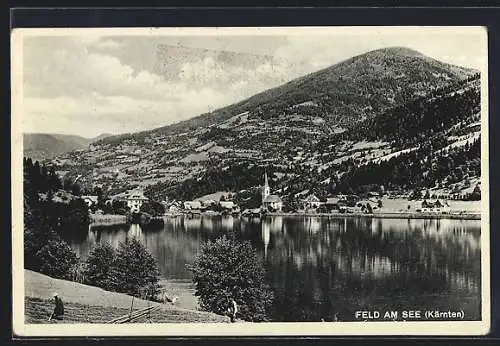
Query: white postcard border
x=239 y=329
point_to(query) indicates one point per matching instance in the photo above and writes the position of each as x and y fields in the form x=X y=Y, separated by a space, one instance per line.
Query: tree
x=119 y=207
x=76 y=190
x=369 y=208
x=37 y=232
x=153 y=208
x=290 y=205
x=44 y=250
x=57 y=259
x=99 y=267
x=76 y=216
x=101 y=199
x=54 y=181
x=135 y=268
x=381 y=190
x=229 y=269
x=476 y=194
x=415 y=195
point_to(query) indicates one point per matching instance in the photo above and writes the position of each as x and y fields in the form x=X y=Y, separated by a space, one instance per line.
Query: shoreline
x=387 y=215
x=97 y=220
x=380 y=215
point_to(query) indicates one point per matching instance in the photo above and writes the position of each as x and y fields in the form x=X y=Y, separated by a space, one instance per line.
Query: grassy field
x=400 y=204
x=184 y=290
x=37 y=311
x=88 y=304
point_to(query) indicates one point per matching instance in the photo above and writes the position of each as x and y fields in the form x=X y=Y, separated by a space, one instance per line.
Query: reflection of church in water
x=268 y=226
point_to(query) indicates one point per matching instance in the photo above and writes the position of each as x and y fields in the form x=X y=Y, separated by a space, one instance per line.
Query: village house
x=434 y=207
x=208 y=203
x=311 y=202
x=333 y=204
x=173 y=207
x=90 y=200
x=192 y=205
x=227 y=205
x=269 y=201
x=135 y=199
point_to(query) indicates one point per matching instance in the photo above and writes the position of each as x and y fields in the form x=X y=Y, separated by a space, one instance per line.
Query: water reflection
x=322 y=268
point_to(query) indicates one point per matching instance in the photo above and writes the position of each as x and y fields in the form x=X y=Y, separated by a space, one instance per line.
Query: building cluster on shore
x=133 y=200
x=372 y=203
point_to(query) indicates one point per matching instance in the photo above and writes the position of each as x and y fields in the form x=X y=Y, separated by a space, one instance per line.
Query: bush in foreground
x=99 y=265
x=130 y=269
x=57 y=259
x=229 y=269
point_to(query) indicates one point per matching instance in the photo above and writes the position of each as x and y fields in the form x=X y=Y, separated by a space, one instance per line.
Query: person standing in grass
x=58 y=308
x=233 y=310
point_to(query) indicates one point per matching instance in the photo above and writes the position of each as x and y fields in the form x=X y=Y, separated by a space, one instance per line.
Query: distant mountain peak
x=349 y=91
x=101 y=136
x=397 y=50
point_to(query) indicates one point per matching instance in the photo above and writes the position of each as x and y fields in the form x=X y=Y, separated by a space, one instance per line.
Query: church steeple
x=265 y=190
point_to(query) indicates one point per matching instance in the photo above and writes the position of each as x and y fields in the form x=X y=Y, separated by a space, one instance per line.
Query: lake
x=326 y=268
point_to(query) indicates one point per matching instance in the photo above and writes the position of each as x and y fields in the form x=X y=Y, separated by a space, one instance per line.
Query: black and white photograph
x=250 y=181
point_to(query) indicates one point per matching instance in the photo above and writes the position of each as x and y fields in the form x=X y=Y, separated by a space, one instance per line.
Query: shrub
x=77 y=273
x=229 y=269
x=135 y=269
x=57 y=259
x=99 y=265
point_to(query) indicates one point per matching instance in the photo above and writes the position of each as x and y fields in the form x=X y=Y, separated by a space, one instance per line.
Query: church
x=270 y=202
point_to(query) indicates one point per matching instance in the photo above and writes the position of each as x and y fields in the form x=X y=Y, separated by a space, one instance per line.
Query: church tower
x=265 y=190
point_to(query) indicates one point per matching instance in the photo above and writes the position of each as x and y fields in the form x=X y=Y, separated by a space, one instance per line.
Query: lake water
x=328 y=268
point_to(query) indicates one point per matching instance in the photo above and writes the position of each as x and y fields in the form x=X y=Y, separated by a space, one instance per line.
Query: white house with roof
x=227 y=204
x=311 y=202
x=90 y=200
x=135 y=199
x=192 y=205
x=269 y=201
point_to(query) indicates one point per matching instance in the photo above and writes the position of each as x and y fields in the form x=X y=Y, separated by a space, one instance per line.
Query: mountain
x=41 y=146
x=101 y=136
x=391 y=117
x=359 y=87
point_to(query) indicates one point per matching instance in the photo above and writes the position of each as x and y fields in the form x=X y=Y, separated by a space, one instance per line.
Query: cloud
x=95 y=113
x=106 y=44
x=91 y=84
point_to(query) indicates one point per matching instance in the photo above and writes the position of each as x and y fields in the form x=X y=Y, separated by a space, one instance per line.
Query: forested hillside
x=391 y=118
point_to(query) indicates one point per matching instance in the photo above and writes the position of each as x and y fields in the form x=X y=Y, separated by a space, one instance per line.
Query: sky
x=92 y=82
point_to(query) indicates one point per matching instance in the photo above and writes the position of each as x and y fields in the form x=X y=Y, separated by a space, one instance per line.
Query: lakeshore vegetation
x=49 y=212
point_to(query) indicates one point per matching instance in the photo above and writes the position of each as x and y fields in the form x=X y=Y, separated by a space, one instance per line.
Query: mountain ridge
x=226 y=112
x=42 y=146
x=394 y=111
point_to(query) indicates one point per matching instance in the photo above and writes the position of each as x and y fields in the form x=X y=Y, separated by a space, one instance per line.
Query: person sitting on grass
x=58 y=308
